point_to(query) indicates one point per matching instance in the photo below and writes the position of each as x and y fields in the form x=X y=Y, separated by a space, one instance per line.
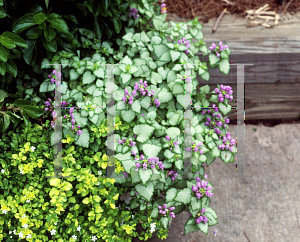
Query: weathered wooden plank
x=267 y=101
x=266 y=68
x=272 y=83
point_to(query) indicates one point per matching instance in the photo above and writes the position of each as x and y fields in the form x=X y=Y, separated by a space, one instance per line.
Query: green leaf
x=205 y=89
x=205 y=76
x=49 y=45
x=203 y=227
x=164 y=95
x=168 y=154
x=155 y=78
x=117 y=24
x=25 y=22
x=157 y=23
x=171 y=194
x=156 y=40
x=33 y=112
x=2 y=12
x=211 y=211
x=3 y=54
x=224 y=109
x=83 y=139
x=145 y=175
x=151 y=150
x=184 y=196
x=8 y=43
x=164 y=221
x=15 y=38
x=128 y=37
x=224 y=66
x=195 y=203
x=73 y=74
x=143 y=131
x=160 y=49
x=211 y=220
x=179 y=164
x=128 y=115
x=173 y=132
x=213 y=59
x=49 y=33
x=226 y=156
x=136 y=106
x=11 y=67
x=145 y=191
x=215 y=152
x=58 y=23
x=224 y=55
x=39 y=18
x=33 y=33
x=194 y=31
x=190 y=228
x=88 y=77
x=175 y=55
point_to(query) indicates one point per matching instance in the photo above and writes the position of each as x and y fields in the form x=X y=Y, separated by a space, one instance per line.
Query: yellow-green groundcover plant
x=35 y=208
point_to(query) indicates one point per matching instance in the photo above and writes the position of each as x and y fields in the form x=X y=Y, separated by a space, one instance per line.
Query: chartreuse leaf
x=171 y=194
x=143 y=131
x=145 y=191
x=8 y=43
x=184 y=196
x=145 y=175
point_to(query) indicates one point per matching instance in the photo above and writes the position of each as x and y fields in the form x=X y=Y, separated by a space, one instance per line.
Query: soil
x=206 y=10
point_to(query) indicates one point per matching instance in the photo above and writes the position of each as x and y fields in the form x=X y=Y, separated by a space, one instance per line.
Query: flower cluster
x=173 y=174
x=163 y=8
x=125 y=174
x=133 y=12
x=127 y=142
x=142 y=90
x=195 y=148
x=201 y=217
x=53 y=77
x=201 y=188
x=164 y=211
x=47 y=103
x=226 y=91
x=152 y=227
x=227 y=144
x=173 y=144
x=219 y=48
x=182 y=41
x=153 y=161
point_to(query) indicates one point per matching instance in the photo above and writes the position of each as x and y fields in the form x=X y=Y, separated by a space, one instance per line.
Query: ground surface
x=207 y=10
x=260 y=209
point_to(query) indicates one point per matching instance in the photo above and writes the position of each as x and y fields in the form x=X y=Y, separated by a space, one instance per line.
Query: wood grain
x=272 y=83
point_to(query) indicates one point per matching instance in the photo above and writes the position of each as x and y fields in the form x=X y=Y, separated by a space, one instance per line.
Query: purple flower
x=172 y=215
x=194 y=188
x=79 y=132
x=164 y=206
x=138 y=165
x=168 y=138
x=120 y=142
x=198 y=179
